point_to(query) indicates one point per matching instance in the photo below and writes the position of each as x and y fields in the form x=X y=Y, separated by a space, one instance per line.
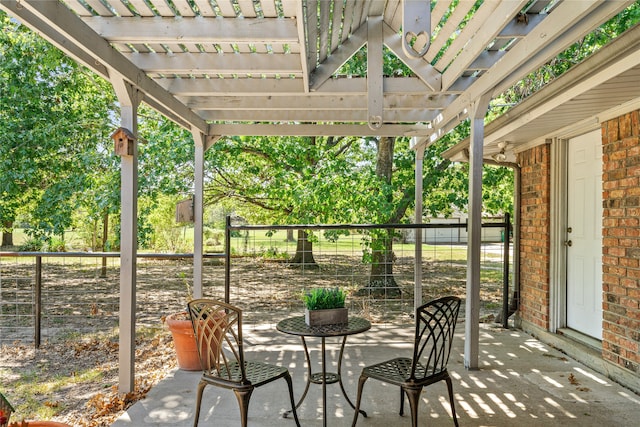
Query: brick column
x=534 y=235
x=621 y=241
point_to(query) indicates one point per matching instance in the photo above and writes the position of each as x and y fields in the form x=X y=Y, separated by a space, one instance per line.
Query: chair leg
x=201 y=386
x=401 y=402
x=243 y=397
x=293 y=403
x=453 y=408
x=361 y=381
x=414 y=398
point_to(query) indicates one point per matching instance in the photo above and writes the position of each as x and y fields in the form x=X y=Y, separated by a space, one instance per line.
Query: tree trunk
x=7 y=236
x=105 y=234
x=304 y=251
x=290 y=235
x=381 y=280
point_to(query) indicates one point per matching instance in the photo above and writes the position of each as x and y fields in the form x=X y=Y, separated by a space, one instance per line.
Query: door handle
x=568 y=243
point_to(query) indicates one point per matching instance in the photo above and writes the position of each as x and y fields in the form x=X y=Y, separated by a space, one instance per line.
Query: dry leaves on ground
x=79 y=380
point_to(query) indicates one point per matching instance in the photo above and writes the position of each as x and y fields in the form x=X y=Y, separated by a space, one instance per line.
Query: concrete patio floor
x=520 y=382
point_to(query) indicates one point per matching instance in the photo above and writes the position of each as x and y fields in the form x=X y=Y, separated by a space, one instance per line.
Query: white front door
x=584 y=235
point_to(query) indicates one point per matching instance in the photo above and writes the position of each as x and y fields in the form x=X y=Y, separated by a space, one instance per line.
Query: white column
x=198 y=208
x=417 y=297
x=472 y=309
x=202 y=144
x=129 y=99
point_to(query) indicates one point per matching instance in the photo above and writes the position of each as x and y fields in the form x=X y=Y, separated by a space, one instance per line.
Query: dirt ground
x=74 y=374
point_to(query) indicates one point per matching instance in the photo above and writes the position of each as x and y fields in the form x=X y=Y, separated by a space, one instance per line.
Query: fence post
x=505 y=272
x=227 y=259
x=38 y=302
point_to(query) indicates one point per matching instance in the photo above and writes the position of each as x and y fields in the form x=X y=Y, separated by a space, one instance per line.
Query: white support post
x=202 y=144
x=129 y=99
x=417 y=297
x=198 y=208
x=472 y=309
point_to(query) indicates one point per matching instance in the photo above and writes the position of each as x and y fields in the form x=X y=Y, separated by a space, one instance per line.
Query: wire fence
x=52 y=296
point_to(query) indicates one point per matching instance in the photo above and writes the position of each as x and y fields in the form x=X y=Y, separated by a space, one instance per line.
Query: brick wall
x=621 y=241
x=534 y=235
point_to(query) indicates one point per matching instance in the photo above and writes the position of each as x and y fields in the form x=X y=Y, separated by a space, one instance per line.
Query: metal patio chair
x=218 y=331
x=435 y=326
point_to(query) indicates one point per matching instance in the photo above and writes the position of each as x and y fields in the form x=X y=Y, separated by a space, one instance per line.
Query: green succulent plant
x=324 y=298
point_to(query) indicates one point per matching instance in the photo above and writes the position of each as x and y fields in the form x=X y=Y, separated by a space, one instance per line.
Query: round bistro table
x=297 y=326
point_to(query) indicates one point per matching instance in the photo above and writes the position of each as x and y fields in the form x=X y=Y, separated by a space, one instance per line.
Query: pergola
x=271 y=67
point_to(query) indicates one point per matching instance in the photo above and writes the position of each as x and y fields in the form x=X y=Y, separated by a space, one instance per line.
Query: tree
x=54 y=120
x=289 y=180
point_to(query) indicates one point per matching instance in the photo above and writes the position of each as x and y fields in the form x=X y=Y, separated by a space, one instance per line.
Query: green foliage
x=31 y=245
x=56 y=244
x=165 y=234
x=324 y=298
x=54 y=122
x=291 y=180
x=573 y=55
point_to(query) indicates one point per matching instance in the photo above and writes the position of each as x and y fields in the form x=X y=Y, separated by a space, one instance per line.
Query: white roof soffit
x=603 y=86
x=236 y=67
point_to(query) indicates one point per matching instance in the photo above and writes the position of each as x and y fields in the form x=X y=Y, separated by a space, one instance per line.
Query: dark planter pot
x=330 y=316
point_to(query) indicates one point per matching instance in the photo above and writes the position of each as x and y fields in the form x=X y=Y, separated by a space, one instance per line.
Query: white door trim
x=558 y=235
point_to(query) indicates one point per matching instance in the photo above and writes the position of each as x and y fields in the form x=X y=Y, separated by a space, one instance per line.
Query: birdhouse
x=123 y=141
x=184 y=211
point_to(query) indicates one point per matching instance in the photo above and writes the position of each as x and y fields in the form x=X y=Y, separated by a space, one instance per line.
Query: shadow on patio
x=520 y=381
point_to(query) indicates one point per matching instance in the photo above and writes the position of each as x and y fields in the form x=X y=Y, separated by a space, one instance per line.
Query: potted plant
x=325 y=306
x=184 y=339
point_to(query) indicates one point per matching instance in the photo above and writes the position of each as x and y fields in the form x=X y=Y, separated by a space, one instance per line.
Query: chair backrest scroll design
x=218 y=332
x=435 y=326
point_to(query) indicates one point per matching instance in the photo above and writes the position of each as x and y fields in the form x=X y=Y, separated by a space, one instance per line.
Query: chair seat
x=257 y=373
x=395 y=371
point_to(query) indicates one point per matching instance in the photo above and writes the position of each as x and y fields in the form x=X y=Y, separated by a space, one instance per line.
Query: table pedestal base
x=324 y=378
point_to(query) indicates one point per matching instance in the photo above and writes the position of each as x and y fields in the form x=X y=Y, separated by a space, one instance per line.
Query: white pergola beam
x=189 y=63
x=194 y=30
x=294 y=86
x=336 y=116
x=312 y=102
x=317 y=130
x=479 y=35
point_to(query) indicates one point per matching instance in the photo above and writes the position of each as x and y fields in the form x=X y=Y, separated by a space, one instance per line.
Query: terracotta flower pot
x=185 y=342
